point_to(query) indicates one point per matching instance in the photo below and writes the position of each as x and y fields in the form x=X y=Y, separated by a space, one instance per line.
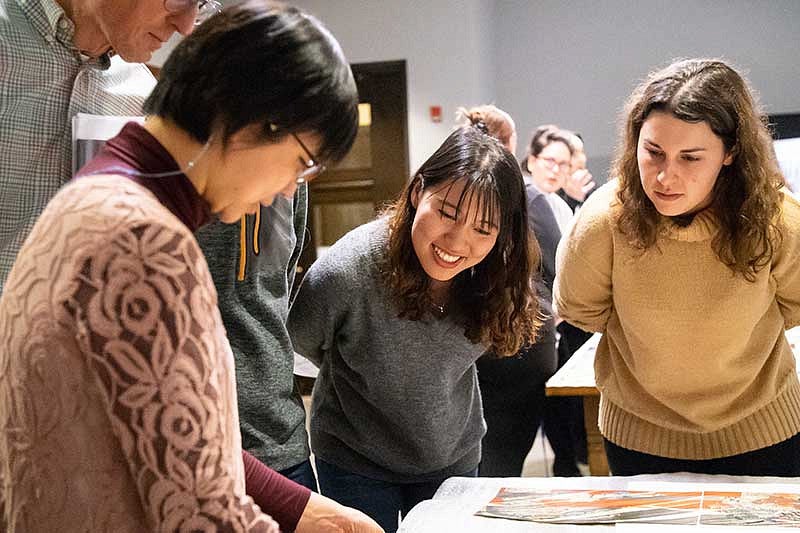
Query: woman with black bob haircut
x=279 y=72
x=274 y=76
x=137 y=398
x=396 y=313
x=687 y=263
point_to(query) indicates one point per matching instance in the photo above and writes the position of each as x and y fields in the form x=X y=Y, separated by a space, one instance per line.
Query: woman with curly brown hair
x=396 y=314
x=687 y=265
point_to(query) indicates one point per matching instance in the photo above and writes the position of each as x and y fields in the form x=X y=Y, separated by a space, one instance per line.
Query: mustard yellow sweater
x=693 y=362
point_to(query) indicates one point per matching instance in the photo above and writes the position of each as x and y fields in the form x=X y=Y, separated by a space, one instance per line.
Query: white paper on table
x=303 y=367
x=688 y=486
x=670 y=528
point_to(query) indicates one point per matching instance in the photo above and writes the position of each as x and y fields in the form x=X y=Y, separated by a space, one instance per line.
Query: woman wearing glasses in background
x=117 y=393
x=548 y=162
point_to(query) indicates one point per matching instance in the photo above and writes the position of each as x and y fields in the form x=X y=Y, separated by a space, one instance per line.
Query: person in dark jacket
x=512 y=388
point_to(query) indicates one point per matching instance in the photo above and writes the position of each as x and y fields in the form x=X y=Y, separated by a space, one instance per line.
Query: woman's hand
x=323 y=515
x=578 y=184
x=270 y=525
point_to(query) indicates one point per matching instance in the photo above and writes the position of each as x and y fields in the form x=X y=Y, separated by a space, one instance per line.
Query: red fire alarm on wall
x=436 y=113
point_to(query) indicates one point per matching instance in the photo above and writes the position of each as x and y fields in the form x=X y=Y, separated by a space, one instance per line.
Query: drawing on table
x=615 y=506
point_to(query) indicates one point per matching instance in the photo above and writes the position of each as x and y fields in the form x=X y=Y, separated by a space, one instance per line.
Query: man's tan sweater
x=693 y=363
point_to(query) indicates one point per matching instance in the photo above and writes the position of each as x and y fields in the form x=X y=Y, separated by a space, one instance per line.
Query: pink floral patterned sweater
x=117 y=393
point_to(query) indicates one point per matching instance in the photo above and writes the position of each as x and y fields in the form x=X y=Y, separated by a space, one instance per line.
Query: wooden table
x=576 y=378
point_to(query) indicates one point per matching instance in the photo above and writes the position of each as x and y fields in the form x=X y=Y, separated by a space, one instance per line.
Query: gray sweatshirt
x=254 y=284
x=395 y=399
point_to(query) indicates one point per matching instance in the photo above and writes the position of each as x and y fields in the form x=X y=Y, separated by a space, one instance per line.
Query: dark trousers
x=512 y=391
x=782 y=459
x=563 y=415
x=380 y=500
x=302 y=474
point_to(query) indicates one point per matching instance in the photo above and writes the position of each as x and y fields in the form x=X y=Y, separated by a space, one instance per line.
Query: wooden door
x=376 y=169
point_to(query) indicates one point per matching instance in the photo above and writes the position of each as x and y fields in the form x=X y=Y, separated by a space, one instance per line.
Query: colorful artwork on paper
x=618 y=506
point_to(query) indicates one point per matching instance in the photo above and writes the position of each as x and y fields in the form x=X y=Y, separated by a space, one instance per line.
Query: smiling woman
x=396 y=314
x=461 y=206
x=453 y=230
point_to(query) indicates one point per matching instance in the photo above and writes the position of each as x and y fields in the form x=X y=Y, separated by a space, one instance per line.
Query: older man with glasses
x=63 y=57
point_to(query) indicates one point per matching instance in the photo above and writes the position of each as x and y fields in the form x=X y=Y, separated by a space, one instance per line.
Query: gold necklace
x=439 y=309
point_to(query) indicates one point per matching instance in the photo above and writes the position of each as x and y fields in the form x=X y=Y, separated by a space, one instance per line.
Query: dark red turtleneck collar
x=134 y=150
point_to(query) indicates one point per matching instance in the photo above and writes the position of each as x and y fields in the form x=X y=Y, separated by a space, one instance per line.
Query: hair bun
x=481 y=125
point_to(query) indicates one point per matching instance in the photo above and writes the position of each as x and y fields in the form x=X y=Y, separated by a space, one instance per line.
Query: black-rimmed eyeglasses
x=549 y=162
x=205 y=8
x=312 y=168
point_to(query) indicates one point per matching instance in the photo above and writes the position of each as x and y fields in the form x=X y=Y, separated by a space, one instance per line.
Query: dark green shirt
x=254 y=311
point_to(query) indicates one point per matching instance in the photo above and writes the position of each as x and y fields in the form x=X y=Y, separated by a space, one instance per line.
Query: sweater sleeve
x=147 y=322
x=281 y=498
x=785 y=271
x=299 y=220
x=317 y=310
x=583 y=289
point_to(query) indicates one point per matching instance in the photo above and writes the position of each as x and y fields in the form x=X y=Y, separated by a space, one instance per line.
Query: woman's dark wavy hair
x=746 y=197
x=258 y=62
x=496 y=300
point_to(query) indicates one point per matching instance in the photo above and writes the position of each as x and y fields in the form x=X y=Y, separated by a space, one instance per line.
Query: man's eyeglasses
x=312 y=168
x=549 y=162
x=205 y=8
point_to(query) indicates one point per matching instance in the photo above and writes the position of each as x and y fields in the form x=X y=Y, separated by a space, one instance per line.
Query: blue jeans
x=381 y=500
x=302 y=474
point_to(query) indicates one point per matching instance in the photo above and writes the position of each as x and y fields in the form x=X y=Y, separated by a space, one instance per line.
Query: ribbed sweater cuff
x=773 y=423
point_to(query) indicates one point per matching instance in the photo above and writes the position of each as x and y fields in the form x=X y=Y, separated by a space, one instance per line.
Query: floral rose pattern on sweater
x=117 y=394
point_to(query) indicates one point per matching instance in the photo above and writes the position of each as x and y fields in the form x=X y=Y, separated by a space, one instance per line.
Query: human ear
x=729 y=158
